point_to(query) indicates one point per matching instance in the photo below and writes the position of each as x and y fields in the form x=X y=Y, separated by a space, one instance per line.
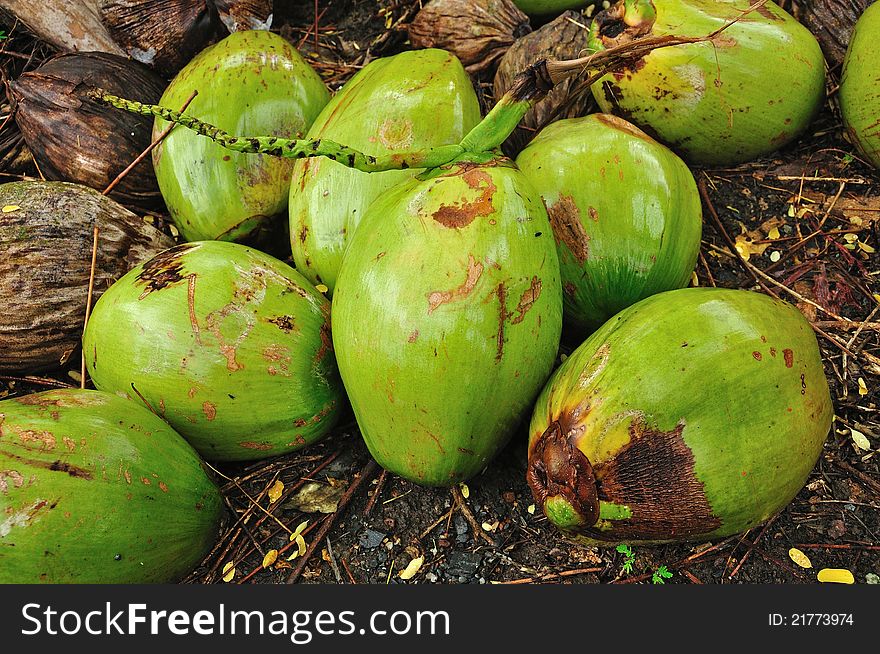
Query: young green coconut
x=692 y=415
x=229 y=345
x=251 y=81
x=625 y=213
x=96 y=489
x=384 y=109
x=749 y=91
x=450 y=294
x=860 y=86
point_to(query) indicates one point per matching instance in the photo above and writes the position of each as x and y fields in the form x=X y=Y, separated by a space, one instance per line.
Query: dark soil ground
x=820 y=198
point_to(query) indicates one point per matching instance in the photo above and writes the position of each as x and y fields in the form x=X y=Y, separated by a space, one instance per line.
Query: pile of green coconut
x=386 y=250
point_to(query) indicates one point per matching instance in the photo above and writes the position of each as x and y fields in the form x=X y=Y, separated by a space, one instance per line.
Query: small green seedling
x=660 y=575
x=626 y=550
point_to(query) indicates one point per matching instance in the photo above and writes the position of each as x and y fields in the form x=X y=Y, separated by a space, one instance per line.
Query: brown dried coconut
x=564 y=38
x=478 y=32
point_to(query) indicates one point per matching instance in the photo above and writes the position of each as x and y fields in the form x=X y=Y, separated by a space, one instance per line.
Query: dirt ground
x=801 y=225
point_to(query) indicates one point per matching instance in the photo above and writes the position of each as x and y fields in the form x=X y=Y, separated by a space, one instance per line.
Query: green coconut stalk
x=415 y=100
x=96 y=489
x=753 y=89
x=459 y=342
x=229 y=345
x=253 y=81
x=691 y=415
x=860 y=86
x=290 y=148
x=625 y=212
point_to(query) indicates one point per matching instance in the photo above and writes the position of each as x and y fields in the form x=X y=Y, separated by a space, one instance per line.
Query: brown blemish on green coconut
x=163 y=270
x=209 y=409
x=565 y=219
x=462 y=214
x=15 y=477
x=526 y=301
x=56 y=466
x=474 y=271
x=251 y=445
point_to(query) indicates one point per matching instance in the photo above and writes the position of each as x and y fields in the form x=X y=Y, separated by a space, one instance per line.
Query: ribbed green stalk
x=292 y=148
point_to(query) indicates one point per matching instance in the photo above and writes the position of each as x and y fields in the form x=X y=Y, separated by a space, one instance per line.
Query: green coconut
x=411 y=101
x=544 y=7
x=251 y=82
x=229 y=345
x=860 y=85
x=96 y=489
x=692 y=415
x=755 y=87
x=446 y=318
x=625 y=213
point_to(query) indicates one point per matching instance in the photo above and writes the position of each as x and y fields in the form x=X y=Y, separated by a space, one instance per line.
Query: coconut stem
x=290 y=148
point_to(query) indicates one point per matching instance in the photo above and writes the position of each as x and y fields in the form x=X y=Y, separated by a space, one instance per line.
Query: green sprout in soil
x=660 y=575
x=626 y=550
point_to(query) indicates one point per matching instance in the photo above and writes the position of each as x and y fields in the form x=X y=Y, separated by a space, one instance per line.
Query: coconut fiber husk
x=478 y=32
x=564 y=38
x=46 y=235
x=75 y=138
x=832 y=22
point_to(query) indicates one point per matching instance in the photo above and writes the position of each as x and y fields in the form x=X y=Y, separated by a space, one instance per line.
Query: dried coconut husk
x=46 y=234
x=478 y=32
x=74 y=138
x=245 y=14
x=832 y=22
x=164 y=34
x=564 y=38
x=65 y=25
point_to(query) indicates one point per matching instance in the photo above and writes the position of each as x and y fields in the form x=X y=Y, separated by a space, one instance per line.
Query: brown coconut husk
x=239 y=15
x=46 y=234
x=564 y=38
x=478 y=32
x=164 y=34
x=74 y=138
x=832 y=22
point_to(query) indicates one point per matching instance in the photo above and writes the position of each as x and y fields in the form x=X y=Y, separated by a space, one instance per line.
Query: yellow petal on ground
x=864 y=247
x=300 y=528
x=695 y=281
x=775 y=256
x=860 y=440
x=800 y=558
x=301 y=544
x=773 y=234
x=836 y=576
x=9 y=208
x=321 y=288
x=293 y=556
x=531 y=509
x=270 y=558
x=465 y=491
x=414 y=566
x=228 y=572
x=863 y=387
x=275 y=491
